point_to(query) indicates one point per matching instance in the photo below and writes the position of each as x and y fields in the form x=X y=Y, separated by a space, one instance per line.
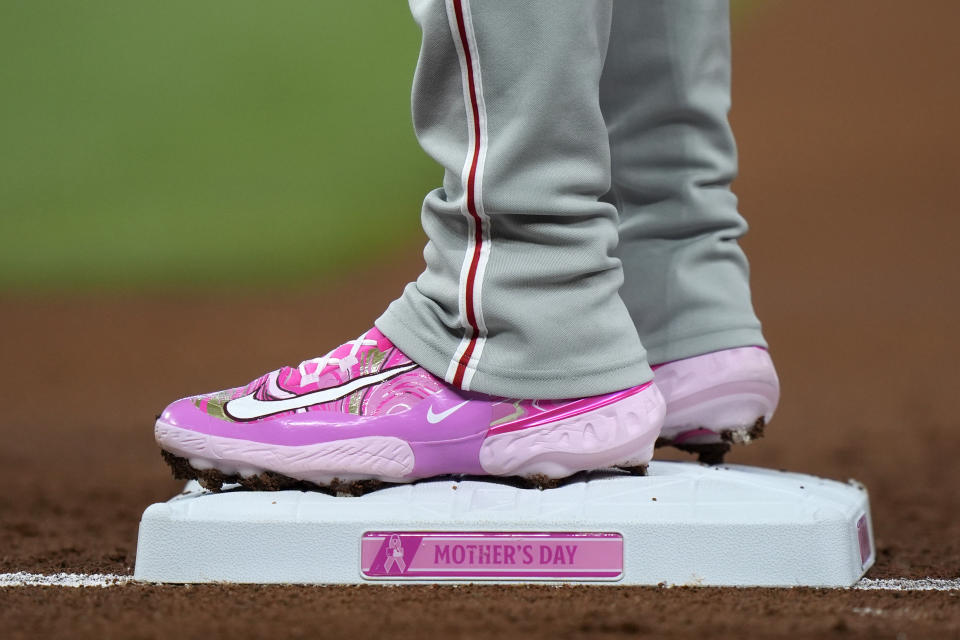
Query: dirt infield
x=476 y=612
x=846 y=115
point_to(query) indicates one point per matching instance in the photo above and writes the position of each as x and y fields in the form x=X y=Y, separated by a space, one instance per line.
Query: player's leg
x=665 y=94
x=519 y=298
x=519 y=295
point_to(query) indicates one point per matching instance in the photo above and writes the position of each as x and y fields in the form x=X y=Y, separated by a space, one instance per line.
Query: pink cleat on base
x=367 y=413
x=717 y=399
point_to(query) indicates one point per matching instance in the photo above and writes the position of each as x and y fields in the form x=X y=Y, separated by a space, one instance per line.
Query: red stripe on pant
x=471 y=201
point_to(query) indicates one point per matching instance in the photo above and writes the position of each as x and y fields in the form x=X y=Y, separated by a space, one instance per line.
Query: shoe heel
x=621 y=432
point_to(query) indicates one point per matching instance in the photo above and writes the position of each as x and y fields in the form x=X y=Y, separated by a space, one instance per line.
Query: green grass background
x=194 y=143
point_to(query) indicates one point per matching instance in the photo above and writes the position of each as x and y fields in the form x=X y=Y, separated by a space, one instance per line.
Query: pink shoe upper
x=367 y=388
x=727 y=390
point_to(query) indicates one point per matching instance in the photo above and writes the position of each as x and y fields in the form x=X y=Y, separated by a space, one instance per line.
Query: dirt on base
x=846 y=115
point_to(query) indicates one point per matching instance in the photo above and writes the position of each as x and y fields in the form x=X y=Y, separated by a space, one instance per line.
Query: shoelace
x=344 y=363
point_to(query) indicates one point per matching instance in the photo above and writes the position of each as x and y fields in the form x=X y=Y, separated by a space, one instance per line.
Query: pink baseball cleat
x=717 y=399
x=366 y=412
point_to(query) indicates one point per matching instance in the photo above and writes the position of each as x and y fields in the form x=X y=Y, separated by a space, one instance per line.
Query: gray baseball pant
x=585 y=228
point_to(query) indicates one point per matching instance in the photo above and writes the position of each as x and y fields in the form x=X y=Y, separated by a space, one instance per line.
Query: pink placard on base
x=458 y=555
x=863 y=537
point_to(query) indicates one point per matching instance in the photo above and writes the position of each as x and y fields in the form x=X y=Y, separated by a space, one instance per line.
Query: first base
x=682 y=524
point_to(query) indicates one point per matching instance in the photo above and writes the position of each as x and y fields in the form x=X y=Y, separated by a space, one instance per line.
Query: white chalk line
x=25 y=579
x=902 y=584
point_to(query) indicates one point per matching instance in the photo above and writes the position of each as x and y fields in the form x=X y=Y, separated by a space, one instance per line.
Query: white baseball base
x=682 y=524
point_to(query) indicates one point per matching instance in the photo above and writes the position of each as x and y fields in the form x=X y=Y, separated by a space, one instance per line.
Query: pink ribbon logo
x=394 y=555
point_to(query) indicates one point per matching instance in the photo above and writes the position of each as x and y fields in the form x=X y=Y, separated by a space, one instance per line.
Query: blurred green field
x=194 y=143
x=188 y=144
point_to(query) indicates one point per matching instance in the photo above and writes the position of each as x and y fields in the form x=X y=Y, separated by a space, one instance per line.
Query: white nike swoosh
x=434 y=418
x=249 y=408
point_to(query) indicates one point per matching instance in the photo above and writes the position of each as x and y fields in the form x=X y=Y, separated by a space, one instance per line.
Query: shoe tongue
x=290 y=376
x=383 y=342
